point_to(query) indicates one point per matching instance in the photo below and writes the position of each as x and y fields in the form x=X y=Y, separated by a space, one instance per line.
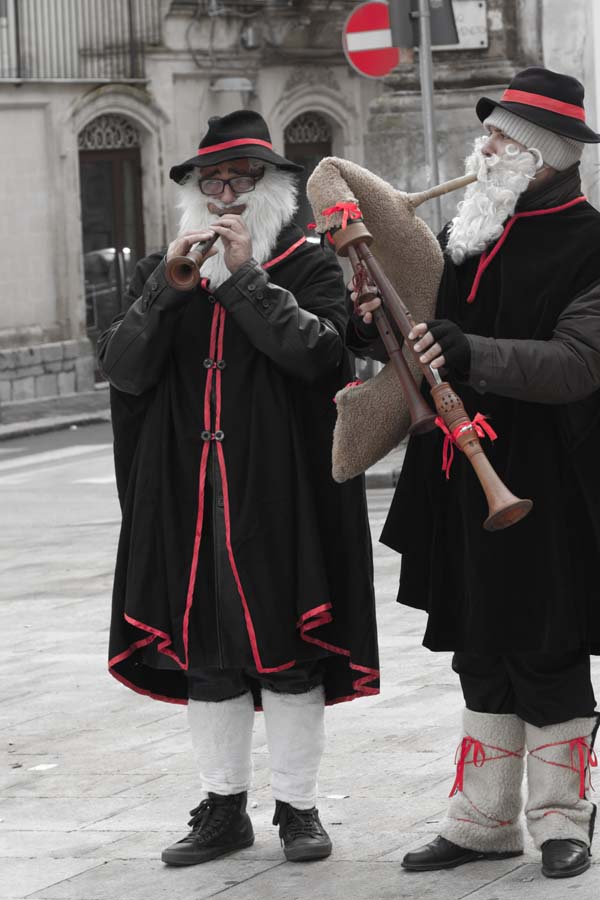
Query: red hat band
x=238 y=143
x=542 y=102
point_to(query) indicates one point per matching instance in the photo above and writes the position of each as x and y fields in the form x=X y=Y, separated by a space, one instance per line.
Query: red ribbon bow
x=349 y=209
x=580 y=749
x=479 y=424
x=466 y=745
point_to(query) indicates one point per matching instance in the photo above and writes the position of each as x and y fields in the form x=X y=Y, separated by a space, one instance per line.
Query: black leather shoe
x=565 y=859
x=220 y=825
x=302 y=835
x=443 y=854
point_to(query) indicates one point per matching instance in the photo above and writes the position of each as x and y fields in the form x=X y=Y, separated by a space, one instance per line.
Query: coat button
x=206 y=435
x=219 y=435
x=221 y=364
x=212 y=298
x=251 y=287
x=208 y=363
x=482 y=383
x=265 y=304
x=260 y=295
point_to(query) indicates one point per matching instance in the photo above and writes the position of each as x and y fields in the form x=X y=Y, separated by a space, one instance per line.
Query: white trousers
x=295 y=725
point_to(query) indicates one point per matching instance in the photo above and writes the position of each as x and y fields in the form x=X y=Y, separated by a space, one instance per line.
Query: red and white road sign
x=368 y=40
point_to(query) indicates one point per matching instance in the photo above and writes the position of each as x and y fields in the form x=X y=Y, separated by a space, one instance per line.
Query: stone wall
x=45 y=370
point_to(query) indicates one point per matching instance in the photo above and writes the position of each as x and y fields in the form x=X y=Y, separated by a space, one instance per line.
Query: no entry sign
x=368 y=40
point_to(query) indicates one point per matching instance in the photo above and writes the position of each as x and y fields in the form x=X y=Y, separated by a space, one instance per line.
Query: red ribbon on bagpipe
x=479 y=424
x=348 y=209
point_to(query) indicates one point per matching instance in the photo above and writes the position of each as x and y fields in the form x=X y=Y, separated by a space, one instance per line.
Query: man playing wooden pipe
x=518 y=332
x=244 y=573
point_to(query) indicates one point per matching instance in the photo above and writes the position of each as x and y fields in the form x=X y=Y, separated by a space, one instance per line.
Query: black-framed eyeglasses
x=239 y=184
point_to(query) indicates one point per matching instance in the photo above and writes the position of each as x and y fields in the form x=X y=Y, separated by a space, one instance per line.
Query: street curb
x=52 y=423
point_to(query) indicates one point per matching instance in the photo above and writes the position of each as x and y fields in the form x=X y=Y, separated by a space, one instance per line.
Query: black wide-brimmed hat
x=547 y=99
x=240 y=134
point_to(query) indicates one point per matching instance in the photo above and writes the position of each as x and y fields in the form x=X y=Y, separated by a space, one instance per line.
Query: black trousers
x=540 y=688
x=214 y=685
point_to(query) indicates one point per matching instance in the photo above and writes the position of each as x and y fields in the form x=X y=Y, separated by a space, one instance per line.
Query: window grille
x=109 y=132
x=308 y=128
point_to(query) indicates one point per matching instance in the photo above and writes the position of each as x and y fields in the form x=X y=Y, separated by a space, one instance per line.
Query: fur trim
x=295 y=725
x=484 y=815
x=222 y=740
x=555 y=810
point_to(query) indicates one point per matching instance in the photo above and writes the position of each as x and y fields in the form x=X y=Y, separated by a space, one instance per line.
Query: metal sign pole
x=426 y=73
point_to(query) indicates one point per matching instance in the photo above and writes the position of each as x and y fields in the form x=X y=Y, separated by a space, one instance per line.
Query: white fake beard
x=490 y=200
x=269 y=207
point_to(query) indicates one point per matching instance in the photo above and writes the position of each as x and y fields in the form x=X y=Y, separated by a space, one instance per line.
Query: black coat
x=535 y=373
x=237 y=548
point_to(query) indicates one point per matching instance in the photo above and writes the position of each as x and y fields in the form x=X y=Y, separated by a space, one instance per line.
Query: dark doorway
x=113 y=232
x=307 y=140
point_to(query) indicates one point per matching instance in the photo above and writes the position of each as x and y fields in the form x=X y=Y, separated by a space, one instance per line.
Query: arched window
x=111 y=214
x=307 y=140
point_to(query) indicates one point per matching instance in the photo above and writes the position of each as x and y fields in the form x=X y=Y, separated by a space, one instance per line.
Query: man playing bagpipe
x=517 y=330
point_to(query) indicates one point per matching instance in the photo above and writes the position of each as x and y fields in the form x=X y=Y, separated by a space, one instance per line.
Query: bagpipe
x=392 y=253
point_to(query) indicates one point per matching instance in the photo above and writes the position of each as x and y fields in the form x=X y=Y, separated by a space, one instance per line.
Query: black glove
x=455 y=346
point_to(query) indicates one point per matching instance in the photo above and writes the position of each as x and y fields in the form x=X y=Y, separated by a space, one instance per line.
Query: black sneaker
x=302 y=835
x=219 y=825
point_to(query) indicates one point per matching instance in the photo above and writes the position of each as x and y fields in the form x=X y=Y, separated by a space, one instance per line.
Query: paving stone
x=151 y=879
x=20 y=877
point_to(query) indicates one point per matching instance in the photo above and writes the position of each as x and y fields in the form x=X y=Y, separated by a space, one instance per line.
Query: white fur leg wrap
x=295 y=725
x=222 y=741
x=558 y=773
x=483 y=813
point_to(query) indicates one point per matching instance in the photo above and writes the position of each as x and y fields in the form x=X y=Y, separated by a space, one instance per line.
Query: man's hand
x=365 y=310
x=236 y=239
x=184 y=243
x=444 y=345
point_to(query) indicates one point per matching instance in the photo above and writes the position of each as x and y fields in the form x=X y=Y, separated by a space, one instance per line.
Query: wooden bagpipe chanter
x=395 y=255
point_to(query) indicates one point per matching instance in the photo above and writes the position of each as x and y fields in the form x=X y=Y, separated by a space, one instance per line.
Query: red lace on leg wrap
x=582 y=759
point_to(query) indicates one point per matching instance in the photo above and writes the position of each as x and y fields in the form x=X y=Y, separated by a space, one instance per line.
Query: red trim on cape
x=134 y=687
x=237 y=143
x=201 y=488
x=487 y=257
x=542 y=102
x=319 y=616
x=272 y=262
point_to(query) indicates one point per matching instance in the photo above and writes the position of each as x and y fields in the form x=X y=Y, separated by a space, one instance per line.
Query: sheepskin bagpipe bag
x=373 y=418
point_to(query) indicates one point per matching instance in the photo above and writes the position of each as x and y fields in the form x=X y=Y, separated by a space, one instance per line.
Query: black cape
x=533 y=586
x=292 y=579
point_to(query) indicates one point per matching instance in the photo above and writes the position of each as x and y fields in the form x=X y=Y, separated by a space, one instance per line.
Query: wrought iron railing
x=81 y=40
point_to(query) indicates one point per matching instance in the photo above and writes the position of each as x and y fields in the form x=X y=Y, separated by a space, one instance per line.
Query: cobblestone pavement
x=96 y=780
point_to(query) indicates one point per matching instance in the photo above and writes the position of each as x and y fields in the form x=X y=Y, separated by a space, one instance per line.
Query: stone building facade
x=95 y=108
